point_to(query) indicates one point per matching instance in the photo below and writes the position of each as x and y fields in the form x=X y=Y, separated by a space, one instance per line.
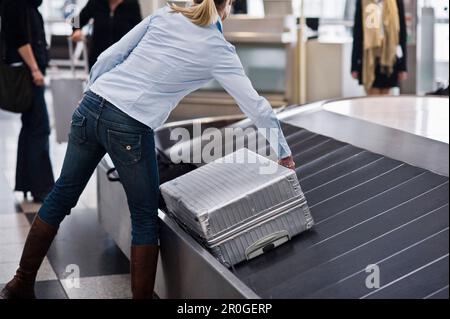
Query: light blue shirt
x=166 y=57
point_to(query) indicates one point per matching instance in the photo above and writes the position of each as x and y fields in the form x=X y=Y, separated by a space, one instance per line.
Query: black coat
x=108 y=27
x=358 y=40
x=22 y=24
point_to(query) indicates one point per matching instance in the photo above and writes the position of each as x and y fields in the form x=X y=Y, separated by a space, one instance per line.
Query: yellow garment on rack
x=381 y=38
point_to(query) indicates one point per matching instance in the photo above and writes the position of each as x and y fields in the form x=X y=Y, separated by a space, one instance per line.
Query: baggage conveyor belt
x=368 y=209
x=377 y=195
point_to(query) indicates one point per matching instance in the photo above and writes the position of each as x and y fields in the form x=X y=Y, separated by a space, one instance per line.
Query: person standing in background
x=24 y=34
x=379 y=59
x=112 y=20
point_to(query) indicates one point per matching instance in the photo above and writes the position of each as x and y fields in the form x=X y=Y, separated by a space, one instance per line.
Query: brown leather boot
x=36 y=246
x=144 y=260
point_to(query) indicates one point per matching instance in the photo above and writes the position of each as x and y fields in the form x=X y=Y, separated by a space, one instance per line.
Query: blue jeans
x=97 y=128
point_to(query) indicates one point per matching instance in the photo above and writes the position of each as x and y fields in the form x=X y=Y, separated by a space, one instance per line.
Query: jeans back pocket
x=78 y=127
x=125 y=147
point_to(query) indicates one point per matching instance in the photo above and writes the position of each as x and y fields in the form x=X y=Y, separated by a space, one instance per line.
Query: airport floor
x=81 y=241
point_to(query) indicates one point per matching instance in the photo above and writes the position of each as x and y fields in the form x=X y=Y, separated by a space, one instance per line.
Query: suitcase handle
x=73 y=58
x=267 y=243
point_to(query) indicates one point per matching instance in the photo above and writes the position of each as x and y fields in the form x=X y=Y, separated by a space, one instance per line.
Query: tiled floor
x=81 y=247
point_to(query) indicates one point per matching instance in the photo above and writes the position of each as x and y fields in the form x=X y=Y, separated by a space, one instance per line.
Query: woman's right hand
x=287 y=162
x=38 y=77
x=77 y=36
x=355 y=75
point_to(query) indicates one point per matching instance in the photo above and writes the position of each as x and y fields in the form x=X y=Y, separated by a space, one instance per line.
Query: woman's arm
x=85 y=15
x=27 y=55
x=228 y=71
x=18 y=36
x=81 y=20
x=118 y=52
x=357 y=39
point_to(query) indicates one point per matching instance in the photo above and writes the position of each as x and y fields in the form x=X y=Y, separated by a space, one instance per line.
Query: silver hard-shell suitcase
x=237 y=210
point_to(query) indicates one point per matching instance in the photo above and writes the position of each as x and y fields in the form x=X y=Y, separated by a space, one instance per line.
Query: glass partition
x=440 y=16
x=265 y=65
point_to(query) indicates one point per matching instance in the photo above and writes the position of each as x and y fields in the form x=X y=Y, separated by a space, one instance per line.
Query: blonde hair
x=202 y=14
